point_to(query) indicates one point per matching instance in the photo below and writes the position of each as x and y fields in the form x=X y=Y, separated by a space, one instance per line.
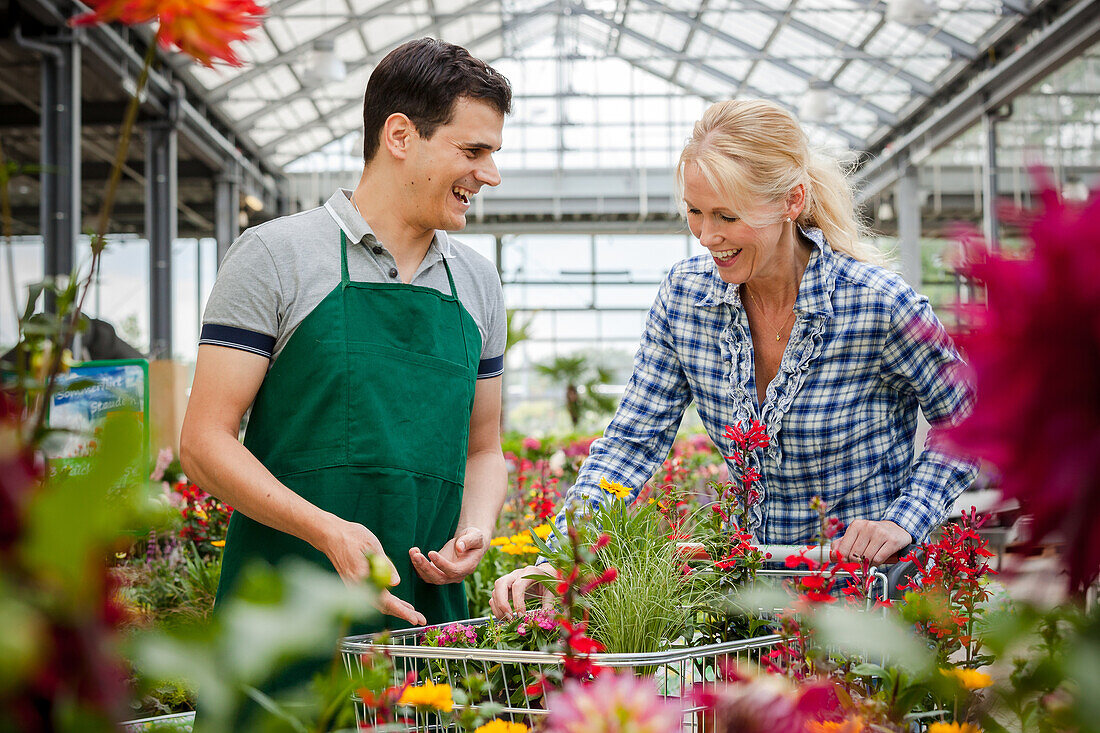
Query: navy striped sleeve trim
x=490 y=367
x=237 y=338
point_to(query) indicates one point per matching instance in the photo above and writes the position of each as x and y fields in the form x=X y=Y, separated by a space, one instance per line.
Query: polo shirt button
x=377 y=249
x=393 y=272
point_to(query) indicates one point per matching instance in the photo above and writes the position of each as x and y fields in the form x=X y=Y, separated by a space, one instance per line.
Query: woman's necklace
x=778 y=331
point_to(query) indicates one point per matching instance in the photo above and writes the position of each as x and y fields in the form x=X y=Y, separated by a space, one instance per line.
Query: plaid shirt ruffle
x=865 y=352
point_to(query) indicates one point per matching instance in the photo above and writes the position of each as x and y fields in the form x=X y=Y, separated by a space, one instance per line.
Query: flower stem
x=121 y=153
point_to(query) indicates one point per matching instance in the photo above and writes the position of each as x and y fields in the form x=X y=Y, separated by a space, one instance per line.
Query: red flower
x=1033 y=352
x=755 y=437
x=202 y=29
x=608 y=576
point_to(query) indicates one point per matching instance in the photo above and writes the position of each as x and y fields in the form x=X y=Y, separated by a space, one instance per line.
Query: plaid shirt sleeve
x=920 y=357
x=641 y=433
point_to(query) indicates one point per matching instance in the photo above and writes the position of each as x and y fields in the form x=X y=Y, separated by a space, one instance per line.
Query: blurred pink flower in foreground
x=612 y=703
x=1034 y=350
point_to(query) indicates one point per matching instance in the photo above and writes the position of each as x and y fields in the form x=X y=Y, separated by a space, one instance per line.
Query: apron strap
x=344 y=277
x=451 y=280
x=454 y=294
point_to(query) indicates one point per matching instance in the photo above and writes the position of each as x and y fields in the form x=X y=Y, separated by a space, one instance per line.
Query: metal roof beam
x=222 y=91
x=106 y=41
x=1066 y=38
x=697 y=21
x=957 y=45
x=884 y=116
x=697 y=64
x=918 y=85
x=270 y=147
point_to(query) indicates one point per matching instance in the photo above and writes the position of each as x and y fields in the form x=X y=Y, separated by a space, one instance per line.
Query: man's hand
x=347 y=546
x=874 y=541
x=511 y=590
x=454 y=561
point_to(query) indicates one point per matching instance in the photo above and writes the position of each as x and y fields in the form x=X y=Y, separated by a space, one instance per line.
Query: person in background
x=369 y=345
x=790 y=319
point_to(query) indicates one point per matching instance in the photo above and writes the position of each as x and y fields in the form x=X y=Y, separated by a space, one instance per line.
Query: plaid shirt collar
x=814 y=293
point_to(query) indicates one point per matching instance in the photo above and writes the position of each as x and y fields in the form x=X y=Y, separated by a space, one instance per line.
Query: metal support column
x=59 y=208
x=908 y=203
x=161 y=184
x=990 y=226
x=227 y=206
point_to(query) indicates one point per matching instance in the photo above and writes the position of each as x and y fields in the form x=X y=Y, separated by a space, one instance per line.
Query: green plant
x=277 y=619
x=653 y=599
x=581 y=379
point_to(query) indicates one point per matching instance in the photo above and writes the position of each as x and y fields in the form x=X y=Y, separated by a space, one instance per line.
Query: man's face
x=448 y=169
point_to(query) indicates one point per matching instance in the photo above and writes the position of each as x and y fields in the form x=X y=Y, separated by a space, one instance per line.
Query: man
x=370 y=346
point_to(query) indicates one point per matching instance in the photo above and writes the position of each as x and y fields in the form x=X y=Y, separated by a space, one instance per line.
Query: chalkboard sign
x=88 y=394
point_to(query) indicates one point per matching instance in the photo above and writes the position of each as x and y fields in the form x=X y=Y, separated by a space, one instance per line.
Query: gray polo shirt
x=275 y=274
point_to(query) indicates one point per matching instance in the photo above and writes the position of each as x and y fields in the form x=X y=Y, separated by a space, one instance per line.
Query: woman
x=789 y=319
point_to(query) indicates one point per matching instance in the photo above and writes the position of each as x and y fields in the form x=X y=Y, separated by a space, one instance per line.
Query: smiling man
x=369 y=345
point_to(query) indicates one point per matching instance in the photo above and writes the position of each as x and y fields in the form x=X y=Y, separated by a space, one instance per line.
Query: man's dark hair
x=422 y=80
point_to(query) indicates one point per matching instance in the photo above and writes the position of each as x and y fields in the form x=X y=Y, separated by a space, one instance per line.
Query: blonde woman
x=790 y=319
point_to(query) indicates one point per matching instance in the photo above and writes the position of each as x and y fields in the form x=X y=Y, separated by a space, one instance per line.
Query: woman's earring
x=788 y=220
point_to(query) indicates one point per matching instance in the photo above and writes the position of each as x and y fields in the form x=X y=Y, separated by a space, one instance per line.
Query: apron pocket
x=412 y=412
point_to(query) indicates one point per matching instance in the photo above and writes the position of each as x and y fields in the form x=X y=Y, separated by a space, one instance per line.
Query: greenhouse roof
x=609 y=82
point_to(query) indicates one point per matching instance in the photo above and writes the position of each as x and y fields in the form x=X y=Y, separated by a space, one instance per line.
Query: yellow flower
x=501 y=726
x=954 y=728
x=542 y=531
x=428 y=695
x=521 y=539
x=971 y=679
x=614 y=487
x=498 y=541
x=218 y=543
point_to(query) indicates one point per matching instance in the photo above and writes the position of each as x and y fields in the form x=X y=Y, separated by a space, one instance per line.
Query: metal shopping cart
x=676 y=670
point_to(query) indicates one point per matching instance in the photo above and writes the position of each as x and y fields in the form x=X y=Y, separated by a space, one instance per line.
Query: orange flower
x=953 y=728
x=202 y=29
x=848 y=725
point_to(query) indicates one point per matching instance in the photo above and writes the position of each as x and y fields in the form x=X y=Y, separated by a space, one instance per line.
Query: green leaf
x=869 y=670
x=75 y=517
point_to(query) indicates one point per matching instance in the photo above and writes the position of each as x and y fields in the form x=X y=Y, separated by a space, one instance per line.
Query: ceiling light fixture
x=324 y=65
x=910 y=12
x=819 y=104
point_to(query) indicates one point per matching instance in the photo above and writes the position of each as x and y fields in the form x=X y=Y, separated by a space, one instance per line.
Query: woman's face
x=741 y=252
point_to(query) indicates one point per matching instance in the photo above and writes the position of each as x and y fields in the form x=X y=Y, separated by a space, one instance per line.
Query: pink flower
x=164 y=459
x=763 y=704
x=613 y=703
x=531 y=443
x=1034 y=350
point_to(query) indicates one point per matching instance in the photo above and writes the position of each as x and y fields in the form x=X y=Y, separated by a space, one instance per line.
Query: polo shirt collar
x=355 y=227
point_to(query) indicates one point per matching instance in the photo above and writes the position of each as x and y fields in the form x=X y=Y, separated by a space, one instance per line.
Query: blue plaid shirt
x=865 y=352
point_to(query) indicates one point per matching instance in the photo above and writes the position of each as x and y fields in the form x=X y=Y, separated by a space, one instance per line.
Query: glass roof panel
x=213 y=78
x=850 y=26
x=387 y=31
x=545 y=46
x=238 y=109
x=746 y=25
x=969 y=26
x=767 y=76
x=258 y=49
x=279 y=30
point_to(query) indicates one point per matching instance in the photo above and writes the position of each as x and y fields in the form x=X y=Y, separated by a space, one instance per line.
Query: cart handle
x=779 y=553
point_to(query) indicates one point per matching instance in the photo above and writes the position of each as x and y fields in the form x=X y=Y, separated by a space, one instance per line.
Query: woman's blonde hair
x=754 y=153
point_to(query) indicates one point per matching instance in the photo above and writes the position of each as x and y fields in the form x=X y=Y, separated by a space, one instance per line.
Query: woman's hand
x=511 y=590
x=865 y=539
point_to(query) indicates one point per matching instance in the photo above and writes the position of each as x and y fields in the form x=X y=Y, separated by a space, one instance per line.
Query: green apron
x=366 y=414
